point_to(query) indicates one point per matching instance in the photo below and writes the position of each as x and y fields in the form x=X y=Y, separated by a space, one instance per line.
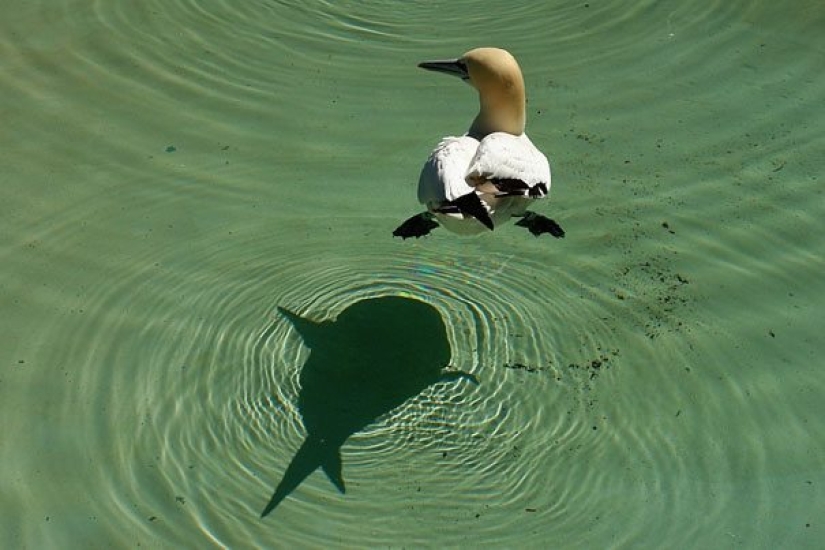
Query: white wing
x=443 y=175
x=505 y=156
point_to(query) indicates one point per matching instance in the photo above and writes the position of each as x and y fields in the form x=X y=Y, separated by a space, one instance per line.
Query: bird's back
x=502 y=156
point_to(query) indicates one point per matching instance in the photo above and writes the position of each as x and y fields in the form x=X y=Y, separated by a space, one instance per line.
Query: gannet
x=481 y=179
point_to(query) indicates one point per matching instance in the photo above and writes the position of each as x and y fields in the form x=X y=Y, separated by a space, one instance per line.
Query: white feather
x=501 y=155
x=461 y=165
x=444 y=175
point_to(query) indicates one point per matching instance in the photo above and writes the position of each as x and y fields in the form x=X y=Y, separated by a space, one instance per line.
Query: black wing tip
x=513 y=187
x=471 y=205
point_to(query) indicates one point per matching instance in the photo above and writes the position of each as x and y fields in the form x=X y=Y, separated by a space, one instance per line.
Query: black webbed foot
x=538 y=224
x=417 y=226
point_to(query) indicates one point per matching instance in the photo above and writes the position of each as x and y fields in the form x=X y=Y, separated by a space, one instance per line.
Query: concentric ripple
x=194 y=357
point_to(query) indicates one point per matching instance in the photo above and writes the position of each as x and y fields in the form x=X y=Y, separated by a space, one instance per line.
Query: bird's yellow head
x=497 y=77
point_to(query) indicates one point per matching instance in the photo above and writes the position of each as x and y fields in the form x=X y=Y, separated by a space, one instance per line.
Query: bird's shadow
x=377 y=354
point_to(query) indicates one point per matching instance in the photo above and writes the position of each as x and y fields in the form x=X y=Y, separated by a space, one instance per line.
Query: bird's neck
x=501 y=111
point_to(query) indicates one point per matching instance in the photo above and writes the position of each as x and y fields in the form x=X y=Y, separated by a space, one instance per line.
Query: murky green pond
x=202 y=298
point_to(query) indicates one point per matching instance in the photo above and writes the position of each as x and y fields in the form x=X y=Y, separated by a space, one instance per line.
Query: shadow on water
x=377 y=354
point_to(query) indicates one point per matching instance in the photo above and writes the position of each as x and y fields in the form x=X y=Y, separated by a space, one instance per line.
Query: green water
x=173 y=173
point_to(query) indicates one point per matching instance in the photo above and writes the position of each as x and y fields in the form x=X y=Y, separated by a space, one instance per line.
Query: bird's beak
x=455 y=67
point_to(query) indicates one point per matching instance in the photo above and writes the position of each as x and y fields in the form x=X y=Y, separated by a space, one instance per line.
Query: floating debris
x=522 y=366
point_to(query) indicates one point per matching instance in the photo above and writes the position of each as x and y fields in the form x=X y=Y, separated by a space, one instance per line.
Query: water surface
x=173 y=173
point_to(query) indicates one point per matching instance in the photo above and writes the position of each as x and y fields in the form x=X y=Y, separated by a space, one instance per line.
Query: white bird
x=492 y=173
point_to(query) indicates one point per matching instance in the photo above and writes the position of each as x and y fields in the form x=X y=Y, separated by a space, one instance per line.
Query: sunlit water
x=175 y=172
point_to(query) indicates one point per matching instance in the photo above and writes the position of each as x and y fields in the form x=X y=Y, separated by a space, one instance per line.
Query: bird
x=475 y=182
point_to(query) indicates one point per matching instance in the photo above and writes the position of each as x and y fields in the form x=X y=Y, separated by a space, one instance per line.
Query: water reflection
x=377 y=354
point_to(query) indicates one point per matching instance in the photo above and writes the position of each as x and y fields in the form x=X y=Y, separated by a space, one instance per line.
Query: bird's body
x=489 y=175
x=462 y=165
